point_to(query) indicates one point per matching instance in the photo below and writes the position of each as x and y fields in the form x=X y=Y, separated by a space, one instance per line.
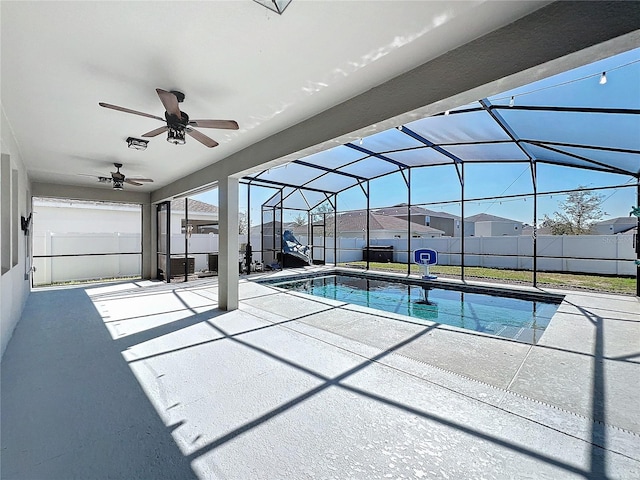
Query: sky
x=575 y=88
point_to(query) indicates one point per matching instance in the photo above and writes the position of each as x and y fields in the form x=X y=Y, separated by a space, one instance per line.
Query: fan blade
x=127 y=110
x=156 y=132
x=136 y=179
x=99 y=178
x=227 y=124
x=132 y=182
x=170 y=102
x=202 y=138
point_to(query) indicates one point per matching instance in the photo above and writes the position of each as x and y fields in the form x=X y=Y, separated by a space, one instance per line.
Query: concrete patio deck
x=146 y=380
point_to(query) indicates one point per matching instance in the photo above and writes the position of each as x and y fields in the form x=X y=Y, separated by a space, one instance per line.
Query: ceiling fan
x=177 y=122
x=118 y=179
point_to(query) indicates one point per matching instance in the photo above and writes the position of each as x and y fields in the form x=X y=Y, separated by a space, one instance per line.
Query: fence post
x=48 y=261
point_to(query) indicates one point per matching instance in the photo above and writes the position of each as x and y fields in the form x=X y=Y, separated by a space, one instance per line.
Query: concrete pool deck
x=147 y=380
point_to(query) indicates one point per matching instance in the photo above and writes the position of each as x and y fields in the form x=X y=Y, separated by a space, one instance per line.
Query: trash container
x=213 y=262
x=378 y=253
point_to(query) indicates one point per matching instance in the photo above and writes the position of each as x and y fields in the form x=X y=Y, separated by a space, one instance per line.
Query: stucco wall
x=496 y=229
x=14 y=284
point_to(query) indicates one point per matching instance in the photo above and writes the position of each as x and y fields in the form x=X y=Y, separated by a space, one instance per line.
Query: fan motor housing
x=179 y=95
x=174 y=122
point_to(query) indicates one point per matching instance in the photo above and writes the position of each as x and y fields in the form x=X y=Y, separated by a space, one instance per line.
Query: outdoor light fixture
x=277 y=6
x=603 y=78
x=175 y=136
x=136 y=143
x=512 y=101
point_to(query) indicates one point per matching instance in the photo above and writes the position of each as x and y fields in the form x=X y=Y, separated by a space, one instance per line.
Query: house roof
x=618 y=221
x=485 y=217
x=401 y=210
x=356 y=221
x=294 y=227
x=194 y=206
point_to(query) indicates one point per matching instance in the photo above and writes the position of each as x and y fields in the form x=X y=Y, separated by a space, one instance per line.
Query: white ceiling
x=233 y=60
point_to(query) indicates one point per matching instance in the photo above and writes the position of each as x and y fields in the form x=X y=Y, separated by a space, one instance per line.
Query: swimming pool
x=505 y=316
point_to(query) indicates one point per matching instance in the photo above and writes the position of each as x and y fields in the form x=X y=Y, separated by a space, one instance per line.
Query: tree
x=318 y=217
x=300 y=220
x=324 y=207
x=243 y=227
x=579 y=212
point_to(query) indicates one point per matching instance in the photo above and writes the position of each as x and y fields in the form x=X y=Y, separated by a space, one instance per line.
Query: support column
x=407 y=180
x=229 y=247
x=186 y=239
x=335 y=229
x=149 y=253
x=367 y=242
x=462 y=233
x=638 y=240
x=535 y=222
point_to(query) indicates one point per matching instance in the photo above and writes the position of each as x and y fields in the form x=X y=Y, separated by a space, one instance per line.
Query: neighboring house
x=354 y=225
x=528 y=230
x=446 y=222
x=203 y=216
x=613 y=226
x=268 y=229
x=485 y=225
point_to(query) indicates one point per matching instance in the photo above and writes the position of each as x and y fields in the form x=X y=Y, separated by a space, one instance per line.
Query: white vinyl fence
x=200 y=245
x=86 y=258
x=599 y=254
x=596 y=254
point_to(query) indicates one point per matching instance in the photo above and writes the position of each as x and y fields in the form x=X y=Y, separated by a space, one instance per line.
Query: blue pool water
x=514 y=318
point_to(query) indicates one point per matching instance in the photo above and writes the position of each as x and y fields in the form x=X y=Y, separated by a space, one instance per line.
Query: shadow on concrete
x=598 y=458
x=71 y=407
x=598 y=400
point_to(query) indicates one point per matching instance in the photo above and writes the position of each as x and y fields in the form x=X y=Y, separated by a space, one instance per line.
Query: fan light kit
x=177 y=122
x=117 y=179
x=175 y=136
x=136 y=143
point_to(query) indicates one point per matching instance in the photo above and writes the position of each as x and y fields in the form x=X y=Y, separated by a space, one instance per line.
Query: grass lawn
x=619 y=285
